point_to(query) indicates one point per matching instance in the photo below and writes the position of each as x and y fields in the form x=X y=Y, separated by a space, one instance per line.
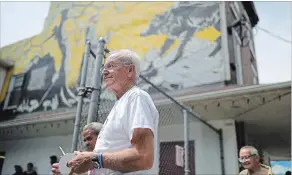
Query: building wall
x=207 y=149
x=230 y=144
x=35 y=150
x=179 y=43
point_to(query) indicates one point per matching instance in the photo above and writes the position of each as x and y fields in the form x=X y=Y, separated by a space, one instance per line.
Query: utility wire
x=274 y=35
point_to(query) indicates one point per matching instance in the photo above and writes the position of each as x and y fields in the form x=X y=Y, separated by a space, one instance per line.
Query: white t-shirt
x=135 y=109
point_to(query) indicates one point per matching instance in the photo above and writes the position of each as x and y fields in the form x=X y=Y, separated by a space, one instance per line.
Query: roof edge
x=225 y=92
x=37 y=120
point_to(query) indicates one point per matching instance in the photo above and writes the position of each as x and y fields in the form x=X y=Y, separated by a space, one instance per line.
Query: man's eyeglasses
x=111 y=66
x=245 y=158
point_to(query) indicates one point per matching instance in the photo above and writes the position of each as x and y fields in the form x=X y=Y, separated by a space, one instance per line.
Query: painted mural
x=180 y=43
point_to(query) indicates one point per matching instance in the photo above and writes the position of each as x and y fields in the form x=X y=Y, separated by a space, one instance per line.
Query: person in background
x=53 y=159
x=89 y=135
x=30 y=170
x=18 y=170
x=250 y=160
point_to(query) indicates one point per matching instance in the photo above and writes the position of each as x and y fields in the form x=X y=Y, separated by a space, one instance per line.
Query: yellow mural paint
x=126 y=19
x=6 y=84
x=121 y=22
x=209 y=33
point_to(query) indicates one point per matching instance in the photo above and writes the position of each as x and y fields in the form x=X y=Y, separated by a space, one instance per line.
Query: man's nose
x=105 y=72
x=87 y=144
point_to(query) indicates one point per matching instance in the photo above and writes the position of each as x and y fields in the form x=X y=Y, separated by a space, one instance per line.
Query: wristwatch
x=97 y=160
x=96 y=165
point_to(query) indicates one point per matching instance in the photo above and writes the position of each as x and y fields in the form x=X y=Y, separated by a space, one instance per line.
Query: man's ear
x=257 y=157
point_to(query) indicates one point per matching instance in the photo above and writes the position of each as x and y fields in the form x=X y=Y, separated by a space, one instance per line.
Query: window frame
x=12 y=89
x=235 y=9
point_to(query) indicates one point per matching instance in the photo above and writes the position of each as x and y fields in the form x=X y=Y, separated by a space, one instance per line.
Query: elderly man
x=250 y=160
x=128 y=141
x=89 y=134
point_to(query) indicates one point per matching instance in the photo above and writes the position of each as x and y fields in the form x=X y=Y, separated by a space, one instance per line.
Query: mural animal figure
x=182 y=21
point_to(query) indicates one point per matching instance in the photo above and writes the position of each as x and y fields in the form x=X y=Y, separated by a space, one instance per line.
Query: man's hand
x=55 y=169
x=82 y=162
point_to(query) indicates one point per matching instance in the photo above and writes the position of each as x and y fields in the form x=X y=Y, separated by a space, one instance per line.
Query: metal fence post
x=81 y=94
x=186 y=142
x=96 y=85
x=221 y=152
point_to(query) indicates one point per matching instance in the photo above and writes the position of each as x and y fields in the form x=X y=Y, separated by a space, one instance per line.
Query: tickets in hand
x=63 y=168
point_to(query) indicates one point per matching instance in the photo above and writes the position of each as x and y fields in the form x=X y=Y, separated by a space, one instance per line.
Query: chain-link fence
x=179 y=140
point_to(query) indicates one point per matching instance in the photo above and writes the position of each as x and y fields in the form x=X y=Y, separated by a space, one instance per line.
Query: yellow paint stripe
x=2 y=157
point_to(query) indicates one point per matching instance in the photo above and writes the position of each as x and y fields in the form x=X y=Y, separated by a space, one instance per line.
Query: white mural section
x=197 y=59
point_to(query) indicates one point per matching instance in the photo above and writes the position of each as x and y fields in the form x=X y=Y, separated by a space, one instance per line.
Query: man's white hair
x=127 y=57
x=253 y=150
x=94 y=126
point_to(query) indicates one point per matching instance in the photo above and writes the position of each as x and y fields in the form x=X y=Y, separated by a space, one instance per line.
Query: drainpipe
x=221 y=152
x=186 y=142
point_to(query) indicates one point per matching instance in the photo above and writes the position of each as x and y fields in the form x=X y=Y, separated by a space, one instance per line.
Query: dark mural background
x=179 y=42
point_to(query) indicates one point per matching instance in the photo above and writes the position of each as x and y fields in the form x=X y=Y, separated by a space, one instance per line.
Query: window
x=14 y=93
x=251 y=37
x=237 y=57
x=237 y=12
x=3 y=73
x=255 y=74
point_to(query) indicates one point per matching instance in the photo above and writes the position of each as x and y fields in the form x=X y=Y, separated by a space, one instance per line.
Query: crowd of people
x=31 y=169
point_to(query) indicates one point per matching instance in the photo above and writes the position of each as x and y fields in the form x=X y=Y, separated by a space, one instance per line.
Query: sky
x=20 y=20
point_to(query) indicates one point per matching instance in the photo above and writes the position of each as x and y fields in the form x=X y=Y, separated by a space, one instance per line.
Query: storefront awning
x=265 y=110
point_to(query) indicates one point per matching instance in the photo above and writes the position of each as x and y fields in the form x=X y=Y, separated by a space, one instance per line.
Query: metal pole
x=221 y=152
x=81 y=93
x=96 y=85
x=186 y=142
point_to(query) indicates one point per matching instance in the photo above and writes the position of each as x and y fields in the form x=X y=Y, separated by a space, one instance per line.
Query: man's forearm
x=124 y=161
